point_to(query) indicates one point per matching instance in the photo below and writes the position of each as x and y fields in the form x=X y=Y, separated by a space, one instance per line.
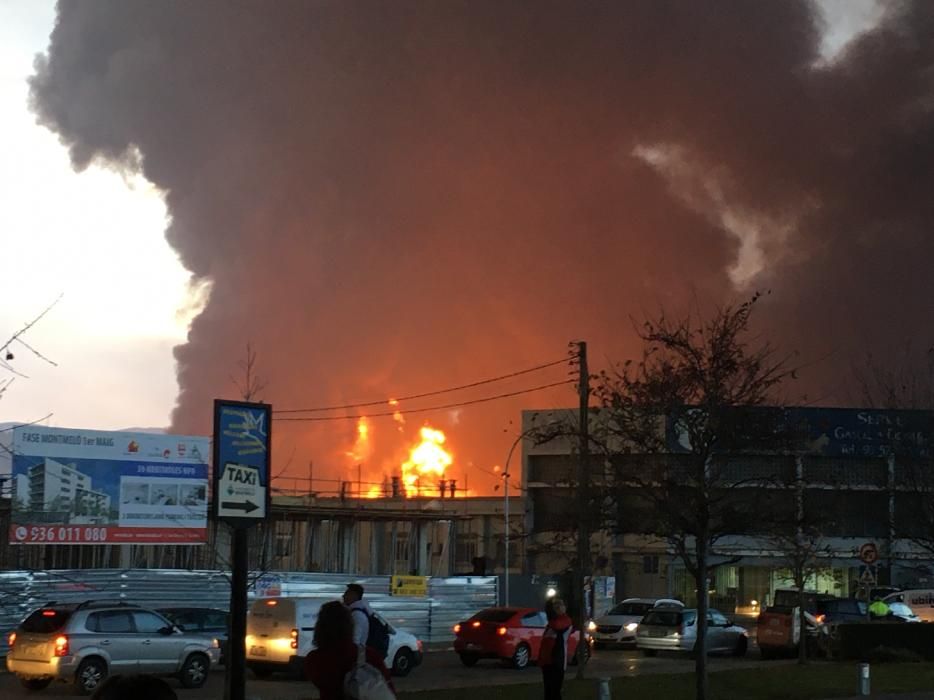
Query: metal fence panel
x=430 y=619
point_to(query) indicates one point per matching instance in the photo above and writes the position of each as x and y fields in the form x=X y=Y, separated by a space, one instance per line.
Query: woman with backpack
x=553 y=653
x=339 y=668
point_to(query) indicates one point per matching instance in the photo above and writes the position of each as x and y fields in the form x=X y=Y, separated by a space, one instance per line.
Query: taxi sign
x=241 y=461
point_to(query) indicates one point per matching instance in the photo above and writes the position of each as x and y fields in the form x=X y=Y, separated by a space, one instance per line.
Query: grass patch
x=781 y=682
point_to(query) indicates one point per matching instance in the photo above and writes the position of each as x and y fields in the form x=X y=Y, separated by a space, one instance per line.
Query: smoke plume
x=388 y=198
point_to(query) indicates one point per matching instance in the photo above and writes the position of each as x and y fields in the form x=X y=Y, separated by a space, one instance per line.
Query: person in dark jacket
x=336 y=654
x=553 y=653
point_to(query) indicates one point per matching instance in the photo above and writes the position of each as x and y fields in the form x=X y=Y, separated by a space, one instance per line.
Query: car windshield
x=638 y=609
x=494 y=615
x=669 y=618
x=46 y=620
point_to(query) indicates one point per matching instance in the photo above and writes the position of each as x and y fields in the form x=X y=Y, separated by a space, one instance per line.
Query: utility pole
x=583 y=501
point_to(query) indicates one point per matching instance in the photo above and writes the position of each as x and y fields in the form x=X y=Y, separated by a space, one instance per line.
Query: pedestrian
x=140 y=687
x=879 y=608
x=335 y=654
x=553 y=653
x=360 y=612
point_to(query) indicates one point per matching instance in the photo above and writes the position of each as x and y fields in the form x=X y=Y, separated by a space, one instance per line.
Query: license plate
x=257 y=651
x=473 y=646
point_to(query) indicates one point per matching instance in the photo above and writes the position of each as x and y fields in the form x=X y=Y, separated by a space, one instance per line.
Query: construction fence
x=430 y=618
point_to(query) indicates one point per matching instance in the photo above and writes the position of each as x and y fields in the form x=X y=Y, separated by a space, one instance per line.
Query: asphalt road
x=441 y=669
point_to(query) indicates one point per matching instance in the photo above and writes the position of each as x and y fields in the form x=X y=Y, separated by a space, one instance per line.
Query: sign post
x=241 y=499
x=869 y=555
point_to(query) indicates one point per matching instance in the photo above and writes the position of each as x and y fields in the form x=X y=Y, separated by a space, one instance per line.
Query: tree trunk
x=700 y=645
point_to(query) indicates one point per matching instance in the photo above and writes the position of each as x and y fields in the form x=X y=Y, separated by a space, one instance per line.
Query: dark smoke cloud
x=392 y=197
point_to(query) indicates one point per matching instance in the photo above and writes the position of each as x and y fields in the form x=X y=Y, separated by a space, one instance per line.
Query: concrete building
x=859 y=467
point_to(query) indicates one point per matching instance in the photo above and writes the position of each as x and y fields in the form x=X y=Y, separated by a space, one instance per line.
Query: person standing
x=359 y=611
x=335 y=654
x=553 y=654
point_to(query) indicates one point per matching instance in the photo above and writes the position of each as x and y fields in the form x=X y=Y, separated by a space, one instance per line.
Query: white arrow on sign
x=240 y=494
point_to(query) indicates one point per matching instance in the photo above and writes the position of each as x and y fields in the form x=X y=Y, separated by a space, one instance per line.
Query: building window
x=650 y=564
x=283 y=545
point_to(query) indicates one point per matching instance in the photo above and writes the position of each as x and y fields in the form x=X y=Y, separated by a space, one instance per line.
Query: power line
x=433 y=408
x=412 y=397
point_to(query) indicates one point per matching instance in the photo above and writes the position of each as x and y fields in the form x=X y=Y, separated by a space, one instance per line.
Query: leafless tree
x=18 y=339
x=668 y=421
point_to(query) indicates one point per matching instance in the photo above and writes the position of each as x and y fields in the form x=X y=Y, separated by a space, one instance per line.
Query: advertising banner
x=96 y=487
x=416 y=586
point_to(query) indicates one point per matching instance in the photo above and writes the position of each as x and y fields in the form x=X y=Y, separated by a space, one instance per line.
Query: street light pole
x=506 y=475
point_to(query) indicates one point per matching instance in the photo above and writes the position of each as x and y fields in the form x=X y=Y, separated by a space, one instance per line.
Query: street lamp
x=512 y=449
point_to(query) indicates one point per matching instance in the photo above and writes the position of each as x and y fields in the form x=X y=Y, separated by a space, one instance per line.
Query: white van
x=279 y=633
x=920 y=600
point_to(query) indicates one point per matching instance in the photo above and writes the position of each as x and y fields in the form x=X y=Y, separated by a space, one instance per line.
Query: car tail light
x=457 y=628
x=418 y=645
x=61 y=646
x=475 y=624
x=272 y=602
x=820 y=619
x=11 y=639
x=501 y=631
x=294 y=635
x=48 y=613
x=216 y=643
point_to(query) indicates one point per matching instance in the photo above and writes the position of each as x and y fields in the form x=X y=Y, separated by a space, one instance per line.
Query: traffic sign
x=869 y=553
x=241 y=461
x=240 y=494
x=867 y=575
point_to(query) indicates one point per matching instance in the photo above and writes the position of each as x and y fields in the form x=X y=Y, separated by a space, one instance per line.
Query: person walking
x=360 y=612
x=336 y=655
x=553 y=653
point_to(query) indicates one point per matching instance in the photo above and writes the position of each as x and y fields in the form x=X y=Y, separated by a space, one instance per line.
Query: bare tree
x=798 y=534
x=250 y=384
x=668 y=420
x=18 y=339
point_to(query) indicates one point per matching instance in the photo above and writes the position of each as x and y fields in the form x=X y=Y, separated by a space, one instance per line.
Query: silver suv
x=84 y=643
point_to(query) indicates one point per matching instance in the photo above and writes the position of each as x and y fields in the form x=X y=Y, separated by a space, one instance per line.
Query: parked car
x=84 y=643
x=903 y=612
x=920 y=600
x=837 y=610
x=513 y=635
x=673 y=629
x=208 y=622
x=619 y=625
x=279 y=634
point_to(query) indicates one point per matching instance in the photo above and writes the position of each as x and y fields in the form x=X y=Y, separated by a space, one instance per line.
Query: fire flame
x=427 y=459
x=361 y=449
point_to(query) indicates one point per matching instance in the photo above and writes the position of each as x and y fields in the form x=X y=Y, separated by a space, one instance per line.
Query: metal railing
x=430 y=618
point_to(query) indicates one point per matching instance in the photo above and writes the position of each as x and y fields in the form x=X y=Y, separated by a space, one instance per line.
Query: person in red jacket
x=553 y=653
x=336 y=654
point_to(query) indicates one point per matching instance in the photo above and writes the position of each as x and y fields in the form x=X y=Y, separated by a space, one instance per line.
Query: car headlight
x=591 y=626
x=631 y=627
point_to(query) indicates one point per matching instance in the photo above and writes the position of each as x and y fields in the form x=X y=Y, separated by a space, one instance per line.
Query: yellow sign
x=416 y=586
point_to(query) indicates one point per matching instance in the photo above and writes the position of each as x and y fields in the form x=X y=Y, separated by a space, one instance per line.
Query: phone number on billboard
x=61 y=534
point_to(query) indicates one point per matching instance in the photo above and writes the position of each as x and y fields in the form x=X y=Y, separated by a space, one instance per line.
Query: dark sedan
x=209 y=622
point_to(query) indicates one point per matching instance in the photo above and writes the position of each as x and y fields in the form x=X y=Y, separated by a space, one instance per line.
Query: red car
x=513 y=635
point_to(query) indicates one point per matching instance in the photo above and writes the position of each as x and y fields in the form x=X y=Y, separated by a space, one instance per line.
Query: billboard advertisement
x=96 y=487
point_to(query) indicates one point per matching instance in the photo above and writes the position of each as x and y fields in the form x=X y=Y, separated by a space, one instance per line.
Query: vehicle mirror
x=167 y=630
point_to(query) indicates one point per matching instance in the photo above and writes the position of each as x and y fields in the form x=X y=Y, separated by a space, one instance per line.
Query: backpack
x=378 y=635
x=365 y=682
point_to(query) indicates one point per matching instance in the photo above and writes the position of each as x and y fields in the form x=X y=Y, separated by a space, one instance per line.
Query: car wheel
x=261 y=672
x=90 y=674
x=194 y=673
x=521 y=657
x=741 y=645
x=35 y=683
x=402 y=663
x=650 y=652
